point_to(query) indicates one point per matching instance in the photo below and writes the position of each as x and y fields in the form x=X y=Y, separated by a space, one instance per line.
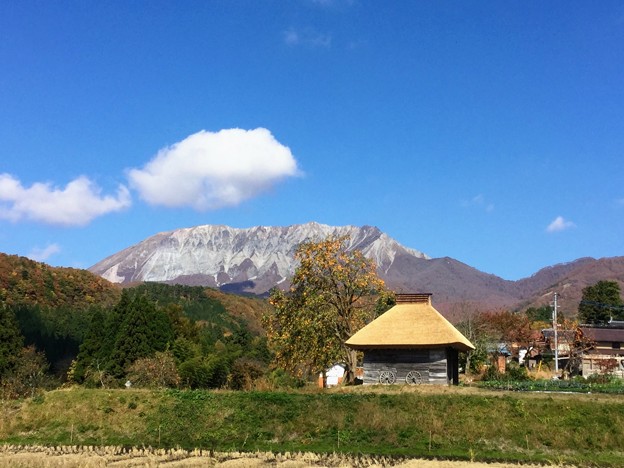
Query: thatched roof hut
x=412 y=341
x=412 y=322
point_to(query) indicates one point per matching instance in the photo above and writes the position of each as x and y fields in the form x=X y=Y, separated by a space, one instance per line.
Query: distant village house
x=607 y=353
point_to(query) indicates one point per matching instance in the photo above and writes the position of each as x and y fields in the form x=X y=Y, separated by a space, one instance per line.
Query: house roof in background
x=604 y=334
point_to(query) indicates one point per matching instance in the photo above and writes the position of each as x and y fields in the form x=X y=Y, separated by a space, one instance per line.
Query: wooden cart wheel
x=413 y=378
x=387 y=377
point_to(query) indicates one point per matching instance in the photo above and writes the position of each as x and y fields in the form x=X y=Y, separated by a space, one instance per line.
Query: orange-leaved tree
x=335 y=291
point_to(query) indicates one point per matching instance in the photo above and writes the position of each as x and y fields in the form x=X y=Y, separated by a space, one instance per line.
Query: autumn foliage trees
x=26 y=282
x=334 y=292
x=153 y=334
x=495 y=332
x=52 y=320
x=148 y=339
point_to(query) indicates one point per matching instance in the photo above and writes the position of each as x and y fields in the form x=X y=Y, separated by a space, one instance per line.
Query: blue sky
x=490 y=132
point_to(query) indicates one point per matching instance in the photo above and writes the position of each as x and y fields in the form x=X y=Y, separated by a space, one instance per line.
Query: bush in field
x=97 y=377
x=194 y=373
x=29 y=378
x=600 y=379
x=244 y=373
x=517 y=372
x=204 y=373
x=279 y=378
x=157 y=371
x=514 y=373
x=608 y=366
x=491 y=373
x=474 y=361
x=184 y=349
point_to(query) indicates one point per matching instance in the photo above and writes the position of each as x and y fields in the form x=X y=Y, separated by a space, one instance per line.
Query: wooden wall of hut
x=410 y=366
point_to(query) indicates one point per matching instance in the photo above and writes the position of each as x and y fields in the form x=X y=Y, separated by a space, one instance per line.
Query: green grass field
x=456 y=423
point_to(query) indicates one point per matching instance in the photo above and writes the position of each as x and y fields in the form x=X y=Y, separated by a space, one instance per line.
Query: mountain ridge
x=231 y=255
x=254 y=260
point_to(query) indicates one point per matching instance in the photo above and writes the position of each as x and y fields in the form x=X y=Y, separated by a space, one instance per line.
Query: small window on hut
x=615 y=345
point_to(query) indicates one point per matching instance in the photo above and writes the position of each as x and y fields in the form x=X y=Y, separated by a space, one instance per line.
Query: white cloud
x=333 y=3
x=75 y=205
x=478 y=201
x=559 y=224
x=210 y=170
x=291 y=37
x=41 y=255
x=307 y=37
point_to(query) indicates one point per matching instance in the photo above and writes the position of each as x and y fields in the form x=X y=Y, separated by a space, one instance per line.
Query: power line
x=602 y=305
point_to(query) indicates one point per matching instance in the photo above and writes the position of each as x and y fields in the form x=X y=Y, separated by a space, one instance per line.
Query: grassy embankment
x=459 y=423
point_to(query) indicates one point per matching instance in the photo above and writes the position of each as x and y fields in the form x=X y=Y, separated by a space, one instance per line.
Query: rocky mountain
x=244 y=260
x=256 y=259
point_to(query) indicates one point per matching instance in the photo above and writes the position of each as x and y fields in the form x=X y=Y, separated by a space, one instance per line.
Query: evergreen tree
x=143 y=331
x=540 y=314
x=11 y=341
x=600 y=303
x=91 y=347
x=112 y=325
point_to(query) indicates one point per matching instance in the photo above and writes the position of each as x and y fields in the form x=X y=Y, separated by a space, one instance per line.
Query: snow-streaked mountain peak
x=217 y=255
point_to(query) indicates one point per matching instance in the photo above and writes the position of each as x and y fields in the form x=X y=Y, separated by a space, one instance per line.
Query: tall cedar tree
x=112 y=325
x=143 y=331
x=11 y=341
x=600 y=303
x=91 y=347
x=334 y=293
x=97 y=347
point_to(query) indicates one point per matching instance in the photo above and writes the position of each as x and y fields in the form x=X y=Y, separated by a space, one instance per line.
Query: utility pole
x=556 y=338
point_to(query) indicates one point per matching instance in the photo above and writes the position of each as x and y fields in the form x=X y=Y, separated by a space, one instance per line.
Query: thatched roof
x=412 y=323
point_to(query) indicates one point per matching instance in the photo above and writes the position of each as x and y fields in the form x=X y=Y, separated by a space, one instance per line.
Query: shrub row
x=574 y=385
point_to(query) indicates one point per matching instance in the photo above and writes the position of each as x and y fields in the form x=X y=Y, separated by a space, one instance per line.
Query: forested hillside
x=26 y=282
x=69 y=323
